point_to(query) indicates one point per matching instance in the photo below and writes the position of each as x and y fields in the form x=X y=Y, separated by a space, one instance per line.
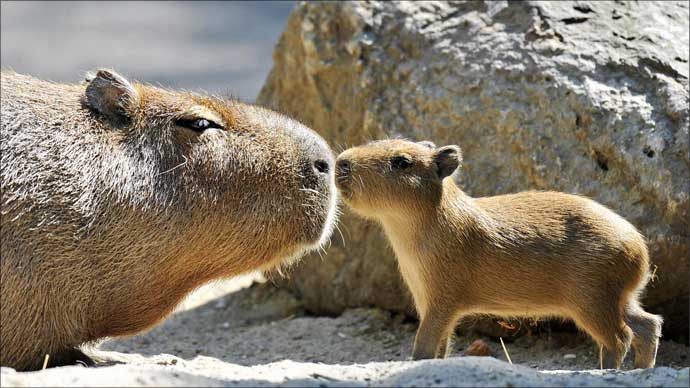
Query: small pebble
x=478 y=348
x=569 y=356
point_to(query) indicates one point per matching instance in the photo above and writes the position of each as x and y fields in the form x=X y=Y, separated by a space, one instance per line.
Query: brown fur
x=531 y=254
x=113 y=210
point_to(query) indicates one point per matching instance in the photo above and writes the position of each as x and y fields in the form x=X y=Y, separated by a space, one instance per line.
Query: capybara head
x=224 y=179
x=392 y=176
x=119 y=198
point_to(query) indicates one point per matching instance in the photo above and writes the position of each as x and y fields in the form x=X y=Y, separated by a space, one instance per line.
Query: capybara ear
x=111 y=95
x=447 y=160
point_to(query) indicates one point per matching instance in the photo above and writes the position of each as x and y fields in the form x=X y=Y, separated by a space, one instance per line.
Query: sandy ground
x=222 y=336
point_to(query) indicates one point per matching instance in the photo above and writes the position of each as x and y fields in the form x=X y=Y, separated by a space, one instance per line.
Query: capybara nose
x=343 y=167
x=316 y=155
x=321 y=166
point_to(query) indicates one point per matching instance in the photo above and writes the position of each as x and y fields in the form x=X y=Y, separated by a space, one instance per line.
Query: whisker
x=169 y=170
x=307 y=190
x=337 y=227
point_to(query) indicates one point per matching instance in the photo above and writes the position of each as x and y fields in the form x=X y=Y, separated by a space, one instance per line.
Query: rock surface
x=581 y=97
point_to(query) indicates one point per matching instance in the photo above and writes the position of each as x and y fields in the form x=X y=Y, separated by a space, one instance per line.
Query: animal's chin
x=291 y=256
x=317 y=238
x=318 y=235
x=349 y=199
x=342 y=185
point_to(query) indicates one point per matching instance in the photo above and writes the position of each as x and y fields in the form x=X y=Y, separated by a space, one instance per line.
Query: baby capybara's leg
x=607 y=328
x=612 y=354
x=435 y=329
x=445 y=345
x=646 y=330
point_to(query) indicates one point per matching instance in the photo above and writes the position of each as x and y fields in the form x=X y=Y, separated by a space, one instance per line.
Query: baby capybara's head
x=234 y=185
x=389 y=177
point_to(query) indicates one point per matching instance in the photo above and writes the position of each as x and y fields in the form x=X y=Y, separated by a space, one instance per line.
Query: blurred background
x=218 y=47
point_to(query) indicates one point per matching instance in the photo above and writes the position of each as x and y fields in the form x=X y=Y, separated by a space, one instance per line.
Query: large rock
x=580 y=97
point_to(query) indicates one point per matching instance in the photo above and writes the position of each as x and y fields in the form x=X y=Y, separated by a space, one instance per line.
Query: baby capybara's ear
x=447 y=159
x=111 y=95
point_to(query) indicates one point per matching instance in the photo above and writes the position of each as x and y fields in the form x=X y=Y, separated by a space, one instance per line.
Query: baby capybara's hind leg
x=646 y=330
x=611 y=333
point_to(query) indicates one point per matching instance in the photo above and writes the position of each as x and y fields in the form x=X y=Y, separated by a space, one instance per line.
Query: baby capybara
x=530 y=254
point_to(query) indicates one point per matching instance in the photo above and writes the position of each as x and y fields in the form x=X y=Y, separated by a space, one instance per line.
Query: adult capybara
x=119 y=198
x=530 y=254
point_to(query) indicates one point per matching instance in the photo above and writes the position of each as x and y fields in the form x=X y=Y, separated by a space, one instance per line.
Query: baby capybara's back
x=562 y=246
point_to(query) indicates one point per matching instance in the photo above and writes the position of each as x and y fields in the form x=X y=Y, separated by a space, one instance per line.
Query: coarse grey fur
x=112 y=210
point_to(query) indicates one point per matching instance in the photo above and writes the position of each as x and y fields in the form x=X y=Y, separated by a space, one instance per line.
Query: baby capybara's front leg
x=433 y=335
x=443 y=350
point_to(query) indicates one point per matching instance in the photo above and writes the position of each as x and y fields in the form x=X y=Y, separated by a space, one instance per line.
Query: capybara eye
x=198 y=125
x=201 y=124
x=400 y=162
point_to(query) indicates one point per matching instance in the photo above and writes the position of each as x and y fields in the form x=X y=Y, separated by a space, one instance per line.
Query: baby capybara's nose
x=343 y=167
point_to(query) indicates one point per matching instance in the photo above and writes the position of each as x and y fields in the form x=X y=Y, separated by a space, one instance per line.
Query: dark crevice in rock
x=322 y=93
x=602 y=160
x=625 y=37
x=574 y=20
x=661 y=67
